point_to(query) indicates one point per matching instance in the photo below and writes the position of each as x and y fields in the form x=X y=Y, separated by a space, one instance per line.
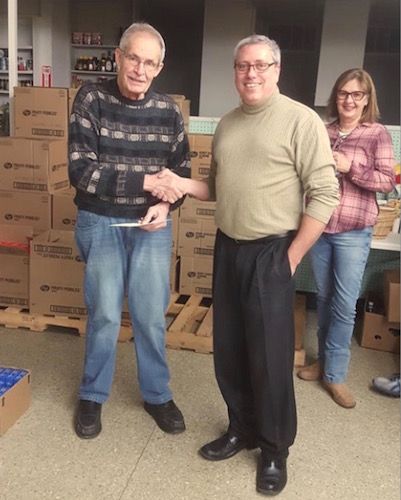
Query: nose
x=140 y=67
x=251 y=69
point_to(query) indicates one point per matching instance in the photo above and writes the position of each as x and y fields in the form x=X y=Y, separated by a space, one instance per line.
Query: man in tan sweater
x=269 y=154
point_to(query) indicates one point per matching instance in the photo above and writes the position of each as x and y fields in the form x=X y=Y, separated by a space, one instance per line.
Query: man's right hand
x=166 y=186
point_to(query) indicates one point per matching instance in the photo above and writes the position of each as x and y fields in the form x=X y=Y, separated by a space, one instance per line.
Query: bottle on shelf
x=79 y=65
x=95 y=62
x=109 y=62
x=103 y=62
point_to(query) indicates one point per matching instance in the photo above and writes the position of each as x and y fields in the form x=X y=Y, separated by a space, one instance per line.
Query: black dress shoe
x=167 y=416
x=226 y=446
x=271 y=476
x=87 y=419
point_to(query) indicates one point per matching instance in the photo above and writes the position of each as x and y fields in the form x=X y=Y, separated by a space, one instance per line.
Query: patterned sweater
x=115 y=141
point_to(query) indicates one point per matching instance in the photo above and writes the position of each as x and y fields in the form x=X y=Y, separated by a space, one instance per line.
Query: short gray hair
x=143 y=27
x=254 y=39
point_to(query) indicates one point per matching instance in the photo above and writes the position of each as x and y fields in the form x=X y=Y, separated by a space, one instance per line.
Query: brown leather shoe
x=340 y=394
x=311 y=372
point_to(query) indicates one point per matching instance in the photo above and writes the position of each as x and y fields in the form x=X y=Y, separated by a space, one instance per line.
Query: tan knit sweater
x=266 y=157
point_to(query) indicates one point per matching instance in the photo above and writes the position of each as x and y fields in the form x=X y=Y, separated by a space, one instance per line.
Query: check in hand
x=167 y=186
x=155 y=218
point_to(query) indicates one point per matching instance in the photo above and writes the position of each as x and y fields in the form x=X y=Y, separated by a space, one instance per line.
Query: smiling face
x=350 y=110
x=135 y=79
x=254 y=87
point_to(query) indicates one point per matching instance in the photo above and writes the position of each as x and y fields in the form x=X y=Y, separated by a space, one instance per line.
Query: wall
x=182 y=27
x=25 y=7
x=296 y=26
x=226 y=22
x=343 y=43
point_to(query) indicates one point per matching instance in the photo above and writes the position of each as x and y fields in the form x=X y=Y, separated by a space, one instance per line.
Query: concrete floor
x=338 y=453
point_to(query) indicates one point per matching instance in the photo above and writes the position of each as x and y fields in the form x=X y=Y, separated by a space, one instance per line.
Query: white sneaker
x=388 y=386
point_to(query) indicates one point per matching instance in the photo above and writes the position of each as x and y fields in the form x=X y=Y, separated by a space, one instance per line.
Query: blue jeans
x=122 y=261
x=338 y=262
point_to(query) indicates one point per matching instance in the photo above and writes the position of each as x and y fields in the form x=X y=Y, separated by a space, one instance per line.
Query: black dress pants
x=253 y=335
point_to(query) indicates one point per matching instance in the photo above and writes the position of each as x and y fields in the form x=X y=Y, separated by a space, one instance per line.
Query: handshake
x=167 y=186
x=170 y=187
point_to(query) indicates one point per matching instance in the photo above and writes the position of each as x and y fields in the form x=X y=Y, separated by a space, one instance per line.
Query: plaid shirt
x=370 y=148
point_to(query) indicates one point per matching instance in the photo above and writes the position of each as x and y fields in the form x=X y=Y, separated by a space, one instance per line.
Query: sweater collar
x=116 y=91
x=253 y=109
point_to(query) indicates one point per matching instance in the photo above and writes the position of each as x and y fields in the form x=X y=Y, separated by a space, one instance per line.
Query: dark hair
x=371 y=111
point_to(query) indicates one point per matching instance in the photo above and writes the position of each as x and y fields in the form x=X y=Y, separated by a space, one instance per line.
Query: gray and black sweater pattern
x=115 y=141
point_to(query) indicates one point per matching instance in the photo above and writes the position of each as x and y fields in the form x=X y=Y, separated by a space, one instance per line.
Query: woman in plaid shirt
x=364 y=156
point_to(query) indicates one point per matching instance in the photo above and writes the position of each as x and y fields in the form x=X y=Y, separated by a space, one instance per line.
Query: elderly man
x=121 y=133
x=267 y=155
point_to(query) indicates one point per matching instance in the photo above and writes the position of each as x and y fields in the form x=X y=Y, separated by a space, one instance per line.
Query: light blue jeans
x=338 y=262
x=122 y=261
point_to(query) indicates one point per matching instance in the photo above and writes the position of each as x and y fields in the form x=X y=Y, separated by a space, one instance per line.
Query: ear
x=161 y=66
x=118 y=55
x=277 y=70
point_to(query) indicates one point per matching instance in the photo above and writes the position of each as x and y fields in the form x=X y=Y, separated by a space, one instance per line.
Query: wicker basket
x=385 y=221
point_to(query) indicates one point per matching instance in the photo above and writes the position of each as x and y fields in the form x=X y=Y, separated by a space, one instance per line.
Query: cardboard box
x=196 y=237
x=196 y=276
x=392 y=295
x=15 y=399
x=71 y=97
x=33 y=165
x=26 y=209
x=56 y=275
x=197 y=209
x=201 y=155
x=184 y=105
x=14 y=265
x=375 y=332
x=64 y=211
x=41 y=112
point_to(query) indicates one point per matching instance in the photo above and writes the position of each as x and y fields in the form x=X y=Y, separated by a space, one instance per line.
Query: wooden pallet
x=14 y=317
x=189 y=323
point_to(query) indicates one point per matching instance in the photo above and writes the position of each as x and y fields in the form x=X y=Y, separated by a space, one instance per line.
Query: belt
x=266 y=239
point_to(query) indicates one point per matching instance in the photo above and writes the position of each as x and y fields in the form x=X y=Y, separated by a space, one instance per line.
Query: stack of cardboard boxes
x=36 y=201
x=34 y=168
x=197 y=230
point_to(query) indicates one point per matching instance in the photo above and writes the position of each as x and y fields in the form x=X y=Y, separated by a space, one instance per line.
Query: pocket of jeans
x=86 y=220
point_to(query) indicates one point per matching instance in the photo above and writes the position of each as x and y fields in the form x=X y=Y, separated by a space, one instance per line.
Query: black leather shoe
x=167 y=416
x=225 y=447
x=87 y=419
x=271 y=476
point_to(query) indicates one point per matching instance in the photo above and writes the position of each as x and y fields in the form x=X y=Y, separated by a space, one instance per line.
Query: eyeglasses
x=134 y=61
x=356 y=96
x=260 y=67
